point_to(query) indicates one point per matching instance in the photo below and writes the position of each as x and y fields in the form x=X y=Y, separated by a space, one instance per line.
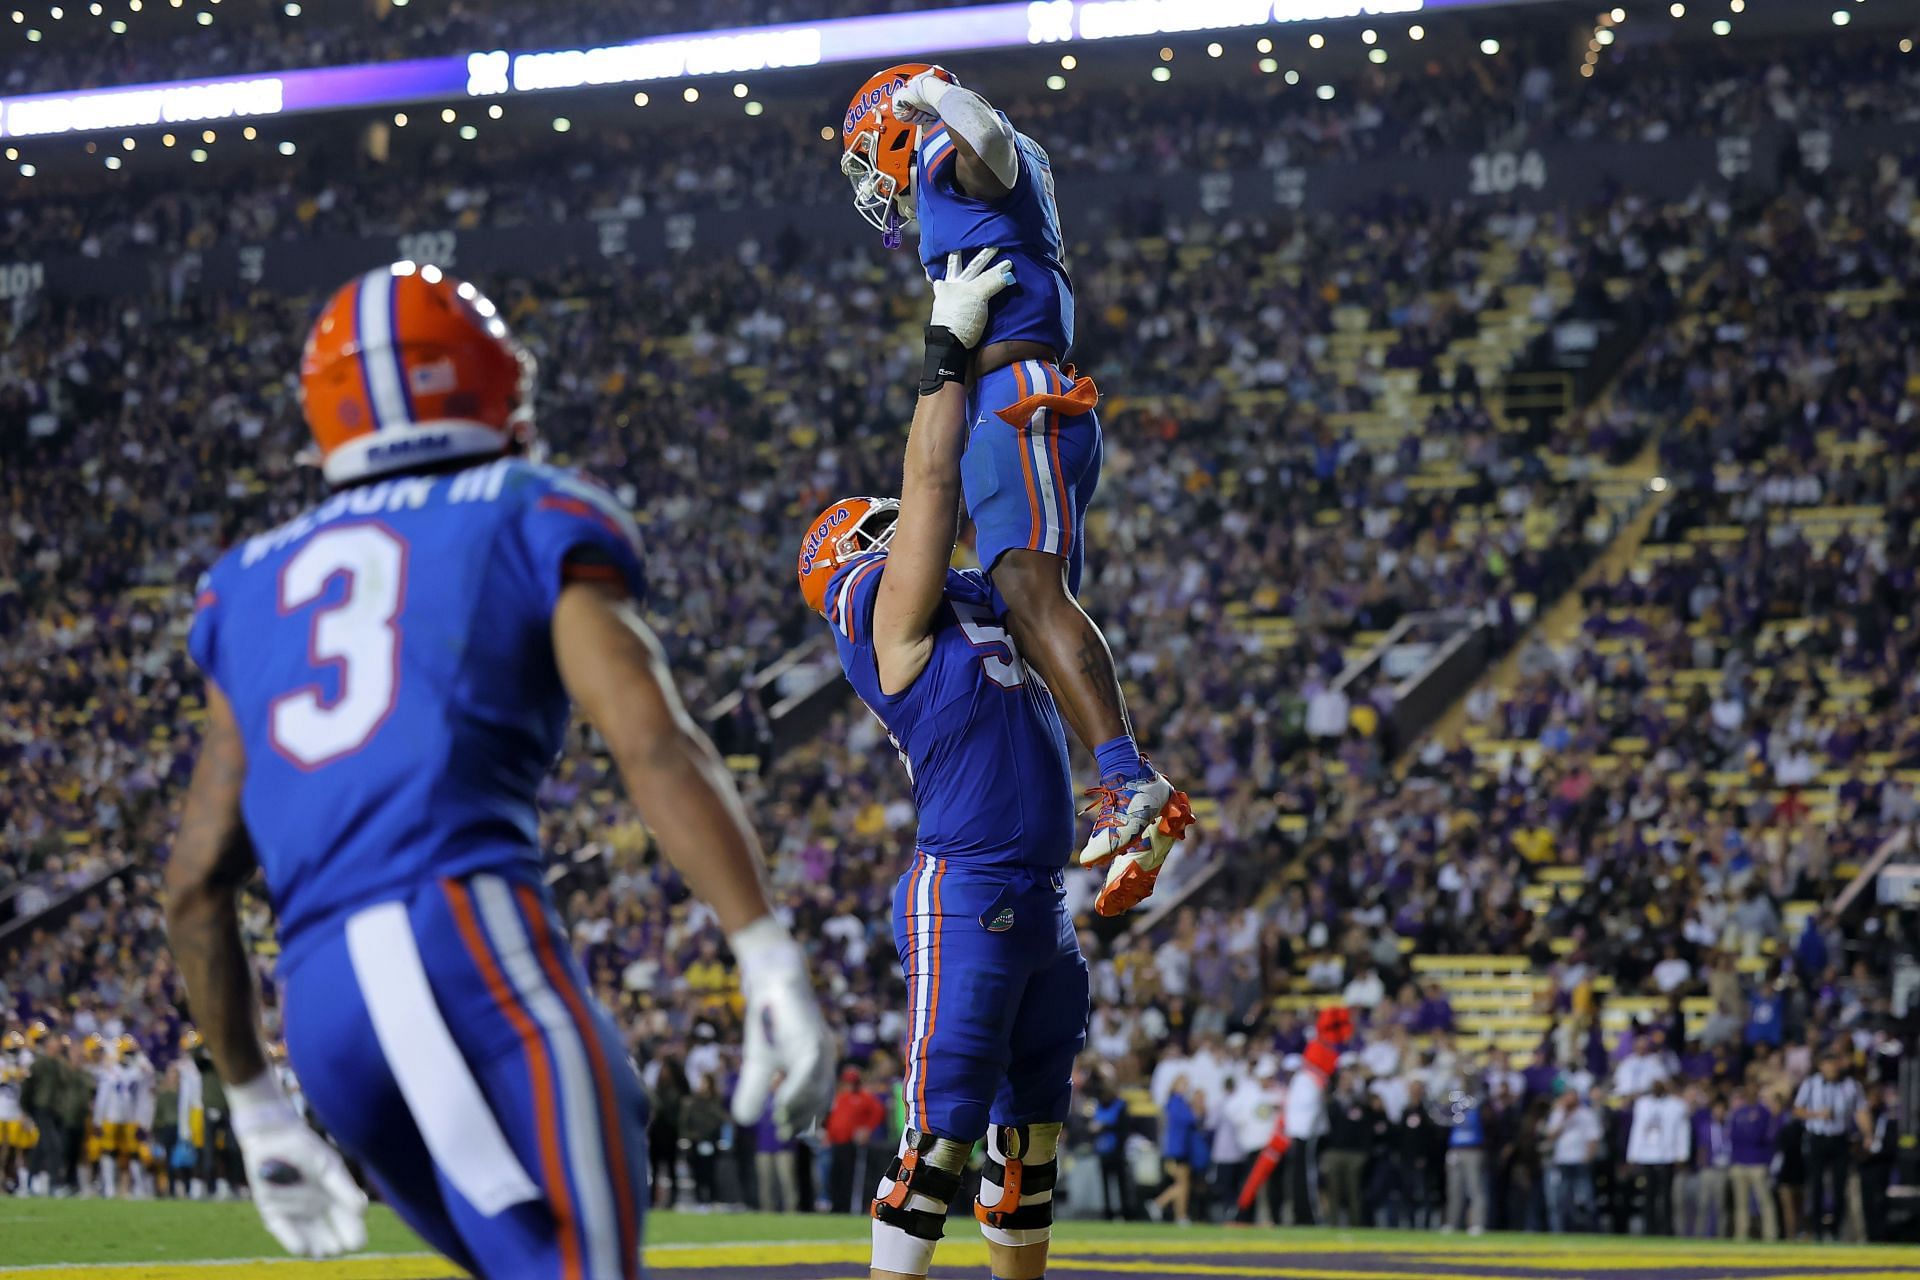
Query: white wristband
x=259 y=1104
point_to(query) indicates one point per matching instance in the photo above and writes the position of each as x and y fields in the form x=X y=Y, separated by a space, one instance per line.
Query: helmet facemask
x=878 y=196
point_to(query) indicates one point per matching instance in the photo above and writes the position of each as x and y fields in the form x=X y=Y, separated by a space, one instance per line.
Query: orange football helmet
x=408 y=366
x=877 y=150
x=848 y=528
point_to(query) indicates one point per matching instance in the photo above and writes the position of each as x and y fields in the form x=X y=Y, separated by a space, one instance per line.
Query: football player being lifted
x=924 y=151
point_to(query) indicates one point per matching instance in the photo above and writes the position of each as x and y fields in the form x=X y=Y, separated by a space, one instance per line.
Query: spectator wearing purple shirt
x=775 y=1172
x=1751 y=1130
x=1435 y=1012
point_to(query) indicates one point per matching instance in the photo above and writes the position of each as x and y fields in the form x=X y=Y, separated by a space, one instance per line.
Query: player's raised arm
x=915 y=578
x=613 y=668
x=985 y=154
x=302 y=1189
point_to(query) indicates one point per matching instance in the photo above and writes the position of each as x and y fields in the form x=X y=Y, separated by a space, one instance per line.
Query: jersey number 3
x=357 y=635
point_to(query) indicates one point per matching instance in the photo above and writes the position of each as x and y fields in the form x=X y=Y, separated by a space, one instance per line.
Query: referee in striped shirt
x=1834 y=1109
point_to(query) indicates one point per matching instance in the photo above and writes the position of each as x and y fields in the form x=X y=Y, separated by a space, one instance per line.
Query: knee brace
x=1015 y=1206
x=910 y=1209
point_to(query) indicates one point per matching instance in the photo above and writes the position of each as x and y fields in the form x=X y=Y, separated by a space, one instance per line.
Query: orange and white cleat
x=1132 y=875
x=1123 y=811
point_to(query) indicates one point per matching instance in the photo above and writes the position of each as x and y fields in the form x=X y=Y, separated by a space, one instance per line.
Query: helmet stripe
x=399 y=365
x=379 y=361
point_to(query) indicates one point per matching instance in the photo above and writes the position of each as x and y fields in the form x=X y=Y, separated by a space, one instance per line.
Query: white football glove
x=300 y=1185
x=785 y=1034
x=918 y=100
x=960 y=301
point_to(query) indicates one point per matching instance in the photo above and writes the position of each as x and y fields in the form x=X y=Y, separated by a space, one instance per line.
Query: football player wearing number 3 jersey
x=996 y=985
x=388 y=680
x=923 y=150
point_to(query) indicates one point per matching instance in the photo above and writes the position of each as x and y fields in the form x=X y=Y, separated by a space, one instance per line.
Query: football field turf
x=99 y=1240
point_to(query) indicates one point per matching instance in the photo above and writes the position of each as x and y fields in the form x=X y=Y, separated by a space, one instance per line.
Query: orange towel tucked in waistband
x=1065 y=392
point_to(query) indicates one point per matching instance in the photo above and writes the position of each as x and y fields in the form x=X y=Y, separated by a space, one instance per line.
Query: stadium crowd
x=141 y=437
x=517 y=173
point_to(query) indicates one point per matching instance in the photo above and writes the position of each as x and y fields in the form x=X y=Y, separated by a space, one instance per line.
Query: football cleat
x=1122 y=812
x=1132 y=875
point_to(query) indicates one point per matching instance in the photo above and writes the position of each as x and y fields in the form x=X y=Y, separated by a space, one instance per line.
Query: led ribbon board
x=878 y=38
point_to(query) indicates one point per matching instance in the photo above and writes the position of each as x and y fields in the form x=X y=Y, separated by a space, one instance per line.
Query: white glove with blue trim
x=960 y=301
x=301 y=1187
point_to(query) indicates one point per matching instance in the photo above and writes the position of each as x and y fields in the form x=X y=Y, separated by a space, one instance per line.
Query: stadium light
x=33 y=35
x=1166 y=54
x=204 y=18
x=1316 y=41
x=739 y=90
x=1841 y=17
x=641 y=99
x=561 y=124
x=1264 y=45
x=690 y=94
x=198 y=156
x=664 y=59
x=1215 y=49
x=113 y=162
x=207 y=136
x=826 y=133
x=249 y=133
x=1416 y=32
x=118 y=27
x=1268 y=66
x=1292 y=77
x=13 y=153
x=19 y=17
x=1618 y=15
x=1723 y=28
x=1376 y=56
x=56 y=13
x=127 y=143
x=1162 y=74
x=1369 y=36
x=495 y=111
x=1068 y=62
x=1738 y=6
x=1677 y=10
x=27 y=171
x=399 y=119
x=287 y=148
x=1324 y=93
x=448 y=115
x=755 y=108
x=1489 y=46
x=468 y=132
x=1056 y=82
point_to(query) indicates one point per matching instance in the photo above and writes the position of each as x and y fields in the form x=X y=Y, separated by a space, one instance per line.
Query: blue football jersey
x=389 y=659
x=1024 y=224
x=978 y=731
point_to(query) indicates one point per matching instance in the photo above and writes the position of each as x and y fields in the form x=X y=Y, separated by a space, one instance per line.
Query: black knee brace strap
x=1016 y=1178
x=911 y=1175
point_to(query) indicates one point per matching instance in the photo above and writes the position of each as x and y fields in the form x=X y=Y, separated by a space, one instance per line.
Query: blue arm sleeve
x=573 y=530
x=201 y=645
